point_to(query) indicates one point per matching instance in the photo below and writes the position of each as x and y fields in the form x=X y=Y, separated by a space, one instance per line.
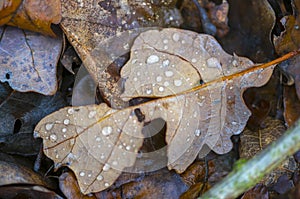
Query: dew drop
x=115 y=163
x=99 y=177
x=166 y=84
x=152 y=59
x=92 y=114
x=98 y=139
x=158 y=78
x=66 y=121
x=212 y=62
x=166 y=47
x=106 y=184
x=177 y=82
x=106 y=167
x=197 y=132
x=234 y=123
x=165 y=41
x=148 y=91
x=175 y=37
x=166 y=63
x=49 y=126
x=82 y=174
x=107 y=130
x=64 y=130
x=134 y=61
x=53 y=137
x=128 y=148
x=161 y=89
x=230 y=87
x=135 y=79
x=234 y=63
x=90 y=175
x=169 y=73
x=194 y=60
x=126 y=46
x=70 y=111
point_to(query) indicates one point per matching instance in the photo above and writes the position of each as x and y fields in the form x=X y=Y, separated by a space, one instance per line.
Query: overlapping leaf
x=28 y=60
x=34 y=15
x=98 y=142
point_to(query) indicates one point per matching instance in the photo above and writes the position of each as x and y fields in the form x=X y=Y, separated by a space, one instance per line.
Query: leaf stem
x=253 y=171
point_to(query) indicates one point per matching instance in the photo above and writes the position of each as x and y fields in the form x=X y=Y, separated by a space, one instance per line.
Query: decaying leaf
x=69 y=186
x=159 y=184
x=290 y=38
x=250 y=37
x=28 y=60
x=28 y=191
x=34 y=15
x=98 y=142
x=88 y=24
x=12 y=173
x=291 y=106
x=254 y=142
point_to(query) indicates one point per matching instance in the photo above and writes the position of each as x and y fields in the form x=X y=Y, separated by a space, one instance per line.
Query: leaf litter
x=96 y=136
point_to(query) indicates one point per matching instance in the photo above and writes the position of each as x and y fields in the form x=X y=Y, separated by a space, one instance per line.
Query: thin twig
x=245 y=177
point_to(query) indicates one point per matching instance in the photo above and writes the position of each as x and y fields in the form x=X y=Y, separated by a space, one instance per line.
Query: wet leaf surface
x=34 y=15
x=103 y=33
x=107 y=21
x=96 y=136
x=69 y=186
x=28 y=60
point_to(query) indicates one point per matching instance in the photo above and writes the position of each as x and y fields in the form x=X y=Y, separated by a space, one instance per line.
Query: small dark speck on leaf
x=139 y=114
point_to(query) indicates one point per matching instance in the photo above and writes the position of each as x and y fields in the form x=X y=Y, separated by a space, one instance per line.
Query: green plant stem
x=250 y=173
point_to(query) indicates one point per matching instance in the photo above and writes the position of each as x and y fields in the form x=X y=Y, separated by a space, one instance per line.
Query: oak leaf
x=98 y=142
x=87 y=24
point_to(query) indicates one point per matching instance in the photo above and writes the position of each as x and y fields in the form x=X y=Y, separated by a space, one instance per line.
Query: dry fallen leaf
x=289 y=39
x=87 y=24
x=12 y=173
x=291 y=106
x=98 y=142
x=28 y=60
x=244 y=33
x=34 y=15
x=254 y=142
